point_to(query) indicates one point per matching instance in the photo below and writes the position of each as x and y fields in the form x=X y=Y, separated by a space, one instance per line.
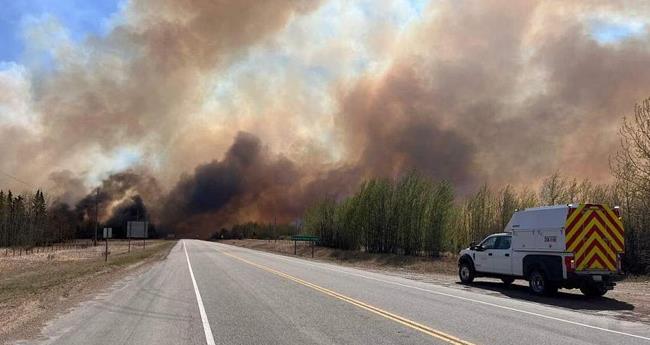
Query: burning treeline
x=499 y=92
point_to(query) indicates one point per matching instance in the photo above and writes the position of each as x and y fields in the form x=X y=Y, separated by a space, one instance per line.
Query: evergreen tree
x=21 y=226
x=38 y=219
x=10 y=219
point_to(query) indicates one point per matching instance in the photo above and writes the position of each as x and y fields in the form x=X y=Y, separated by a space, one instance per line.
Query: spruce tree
x=10 y=219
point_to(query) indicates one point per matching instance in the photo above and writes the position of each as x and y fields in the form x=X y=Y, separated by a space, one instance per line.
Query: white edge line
x=204 y=317
x=295 y=260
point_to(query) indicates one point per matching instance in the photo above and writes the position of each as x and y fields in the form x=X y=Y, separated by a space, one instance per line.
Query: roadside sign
x=137 y=229
x=304 y=238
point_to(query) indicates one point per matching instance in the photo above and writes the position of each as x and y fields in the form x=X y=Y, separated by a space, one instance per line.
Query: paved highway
x=209 y=293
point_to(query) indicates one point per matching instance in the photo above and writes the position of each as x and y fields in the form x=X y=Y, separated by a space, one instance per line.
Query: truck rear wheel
x=594 y=290
x=539 y=285
x=466 y=272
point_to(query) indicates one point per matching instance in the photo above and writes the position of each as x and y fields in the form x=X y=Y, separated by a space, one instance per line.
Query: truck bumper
x=577 y=280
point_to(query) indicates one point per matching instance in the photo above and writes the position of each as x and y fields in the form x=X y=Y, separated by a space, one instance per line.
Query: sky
x=79 y=18
x=330 y=92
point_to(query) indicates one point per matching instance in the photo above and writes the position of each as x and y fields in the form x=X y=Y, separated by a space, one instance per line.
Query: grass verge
x=32 y=292
x=444 y=264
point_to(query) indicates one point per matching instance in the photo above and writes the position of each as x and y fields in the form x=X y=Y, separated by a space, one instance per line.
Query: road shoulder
x=629 y=301
x=37 y=289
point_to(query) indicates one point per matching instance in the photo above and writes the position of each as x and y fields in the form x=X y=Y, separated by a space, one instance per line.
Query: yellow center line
x=399 y=319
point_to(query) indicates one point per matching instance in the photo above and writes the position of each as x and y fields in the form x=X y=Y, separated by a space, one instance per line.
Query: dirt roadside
x=630 y=300
x=37 y=287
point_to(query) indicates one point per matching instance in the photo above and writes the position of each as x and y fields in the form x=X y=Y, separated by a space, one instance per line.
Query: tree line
x=26 y=220
x=264 y=231
x=415 y=215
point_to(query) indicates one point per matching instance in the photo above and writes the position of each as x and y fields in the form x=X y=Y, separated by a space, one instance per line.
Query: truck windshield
x=489 y=242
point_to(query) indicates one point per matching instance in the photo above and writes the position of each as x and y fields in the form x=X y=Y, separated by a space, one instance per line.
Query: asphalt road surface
x=209 y=293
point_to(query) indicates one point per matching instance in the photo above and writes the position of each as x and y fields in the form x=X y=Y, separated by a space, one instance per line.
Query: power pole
x=96 y=217
x=128 y=234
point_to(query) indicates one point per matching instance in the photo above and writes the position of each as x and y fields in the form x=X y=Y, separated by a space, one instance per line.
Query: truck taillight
x=570 y=264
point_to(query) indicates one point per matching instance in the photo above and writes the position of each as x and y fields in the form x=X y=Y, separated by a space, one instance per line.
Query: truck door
x=499 y=258
x=483 y=255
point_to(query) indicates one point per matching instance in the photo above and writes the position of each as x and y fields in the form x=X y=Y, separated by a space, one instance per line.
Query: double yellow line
x=399 y=319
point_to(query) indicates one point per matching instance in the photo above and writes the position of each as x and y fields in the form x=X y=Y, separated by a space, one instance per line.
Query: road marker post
x=108 y=233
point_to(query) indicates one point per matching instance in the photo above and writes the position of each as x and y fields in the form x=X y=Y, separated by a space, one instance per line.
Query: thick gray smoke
x=117 y=193
x=247 y=183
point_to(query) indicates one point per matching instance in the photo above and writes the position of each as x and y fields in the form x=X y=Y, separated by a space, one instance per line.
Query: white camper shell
x=539 y=229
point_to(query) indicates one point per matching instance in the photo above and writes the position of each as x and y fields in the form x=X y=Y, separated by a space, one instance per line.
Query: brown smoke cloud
x=490 y=91
x=483 y=93
x=140 y=84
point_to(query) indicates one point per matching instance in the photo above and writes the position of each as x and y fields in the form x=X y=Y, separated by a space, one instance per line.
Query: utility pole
x=128 y=234
x=96 y=217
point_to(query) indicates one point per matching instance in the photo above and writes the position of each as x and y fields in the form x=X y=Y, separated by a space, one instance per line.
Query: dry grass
x=34 y=286
x=11 y=261
x=445 y=264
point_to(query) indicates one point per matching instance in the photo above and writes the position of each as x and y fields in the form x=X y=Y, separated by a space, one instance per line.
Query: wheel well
x=466 y=259
x=549 y=265
x=532 y=268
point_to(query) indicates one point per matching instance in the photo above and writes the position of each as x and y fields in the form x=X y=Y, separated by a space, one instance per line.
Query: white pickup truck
x=568 y=246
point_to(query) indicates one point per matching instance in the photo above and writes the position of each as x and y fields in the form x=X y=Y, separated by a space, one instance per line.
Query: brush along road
x=210 y=293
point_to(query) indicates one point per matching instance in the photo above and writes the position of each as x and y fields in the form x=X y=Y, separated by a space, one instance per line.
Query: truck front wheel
x=539 y=285
x=466 y=272
x=594 y=290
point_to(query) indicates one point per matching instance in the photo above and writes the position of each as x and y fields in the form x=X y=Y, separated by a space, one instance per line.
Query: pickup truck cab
x=563 y=246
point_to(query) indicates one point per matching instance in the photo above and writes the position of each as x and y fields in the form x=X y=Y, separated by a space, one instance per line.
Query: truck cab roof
x=500 y=234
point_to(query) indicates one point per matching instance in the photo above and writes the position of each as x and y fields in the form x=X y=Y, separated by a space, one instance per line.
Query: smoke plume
x=248 y=110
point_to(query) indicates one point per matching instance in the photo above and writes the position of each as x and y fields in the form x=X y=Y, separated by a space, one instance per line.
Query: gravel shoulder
x=630 y=300
x=37 y=287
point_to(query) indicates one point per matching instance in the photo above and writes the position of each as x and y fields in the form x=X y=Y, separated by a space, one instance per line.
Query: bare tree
x=632 y=162
x=554 y=190
x=631 y=166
